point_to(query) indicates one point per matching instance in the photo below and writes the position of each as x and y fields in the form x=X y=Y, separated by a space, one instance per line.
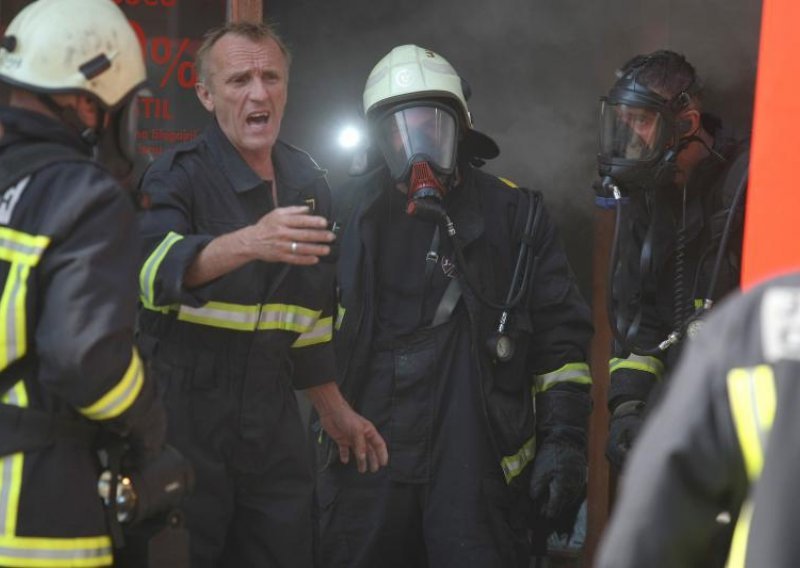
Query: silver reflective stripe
x=340 y=312
x=292 y=318
x=230 y=316
x=645 y=363
x=18 y=249
x=18 y=275
x=120 y=397
x=751 y=395
x=6 y=479
x=513 y=465
x=569 y=373
x=753 y=401
x=11 y=470
x=322 y=332
x=256 y=317
x=147 y=275
x=16 y=246
x=37 y=552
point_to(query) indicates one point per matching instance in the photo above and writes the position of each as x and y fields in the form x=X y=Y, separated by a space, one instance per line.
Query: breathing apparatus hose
x=612 y=264
x=683 y=319
x=723 y=242
x=523 y=265
x=680 y=307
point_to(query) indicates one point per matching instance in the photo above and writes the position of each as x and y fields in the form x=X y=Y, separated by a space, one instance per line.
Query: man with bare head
x=237 y=310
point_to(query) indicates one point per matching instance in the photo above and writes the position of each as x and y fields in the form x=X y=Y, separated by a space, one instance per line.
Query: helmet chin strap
x=69 y=116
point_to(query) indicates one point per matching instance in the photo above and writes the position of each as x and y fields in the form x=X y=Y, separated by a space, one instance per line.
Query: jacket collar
x=464 y=208
x=294 y=169
x=25 y=125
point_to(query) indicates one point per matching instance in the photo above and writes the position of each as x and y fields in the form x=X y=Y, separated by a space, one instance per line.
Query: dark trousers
x=442 y=502
x=251 y=505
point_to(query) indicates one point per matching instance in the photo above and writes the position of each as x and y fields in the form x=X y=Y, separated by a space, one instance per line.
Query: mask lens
x=631 y=133
x=129 y=124
x=419 y=133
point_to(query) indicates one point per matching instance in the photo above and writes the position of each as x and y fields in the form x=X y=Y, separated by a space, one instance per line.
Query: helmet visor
x=631 y=133
x=418 y=133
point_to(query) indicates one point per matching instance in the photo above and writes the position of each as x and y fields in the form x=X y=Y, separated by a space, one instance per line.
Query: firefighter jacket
x=550 y=326
x=68 y=252
x=727 y=424
x=667 y=264
x=264 y=321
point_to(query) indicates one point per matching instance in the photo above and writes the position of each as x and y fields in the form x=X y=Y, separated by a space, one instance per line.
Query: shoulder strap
x=21 y=160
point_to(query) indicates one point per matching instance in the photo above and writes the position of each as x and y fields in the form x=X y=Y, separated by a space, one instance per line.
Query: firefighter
x=677 y=180
x=722 y=438
x=458 y=310
x=68 y=367
x=237 y=310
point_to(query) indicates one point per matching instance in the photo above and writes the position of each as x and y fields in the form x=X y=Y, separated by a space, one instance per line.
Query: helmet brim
x=476 y=144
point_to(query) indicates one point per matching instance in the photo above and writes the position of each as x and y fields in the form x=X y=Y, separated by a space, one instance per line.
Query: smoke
x=537 y=69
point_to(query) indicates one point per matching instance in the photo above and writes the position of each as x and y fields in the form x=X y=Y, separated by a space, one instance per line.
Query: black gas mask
x=418 y=141
x=115 y=143
x=640 y=134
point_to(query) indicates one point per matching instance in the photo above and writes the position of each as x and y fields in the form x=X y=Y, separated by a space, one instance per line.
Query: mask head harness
x=641 y=133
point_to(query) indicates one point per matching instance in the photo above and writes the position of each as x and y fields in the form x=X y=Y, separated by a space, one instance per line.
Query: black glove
x=147 y=427
x=558 y=482
x=626 y=420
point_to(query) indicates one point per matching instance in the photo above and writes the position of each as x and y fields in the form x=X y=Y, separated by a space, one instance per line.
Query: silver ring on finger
x=294 y=247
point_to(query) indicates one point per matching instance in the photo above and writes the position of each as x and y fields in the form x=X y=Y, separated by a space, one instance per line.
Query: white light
x=349 y=137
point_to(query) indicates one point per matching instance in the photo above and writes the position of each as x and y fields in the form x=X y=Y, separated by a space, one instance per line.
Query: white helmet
x=409 y=72
x=68 y=46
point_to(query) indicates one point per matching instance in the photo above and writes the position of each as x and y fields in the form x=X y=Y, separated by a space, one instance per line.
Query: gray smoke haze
x=537 y=69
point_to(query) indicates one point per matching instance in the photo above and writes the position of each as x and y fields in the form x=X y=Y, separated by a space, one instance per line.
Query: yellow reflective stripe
x=340 y=312
x=13 y=328
x=121 y=396
x=646 y=363
x=513 y=465
x=508 y=182
x=751 y=394
x=569 y=373
x=287 y=317
x=322 y=332
x=147 y=275
x=752 y=398
x=36 y=552
x=23 y=251
x=737 y=554
x=16 y=246
x=11 y=469
x=698 y=303
x=238 y=317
